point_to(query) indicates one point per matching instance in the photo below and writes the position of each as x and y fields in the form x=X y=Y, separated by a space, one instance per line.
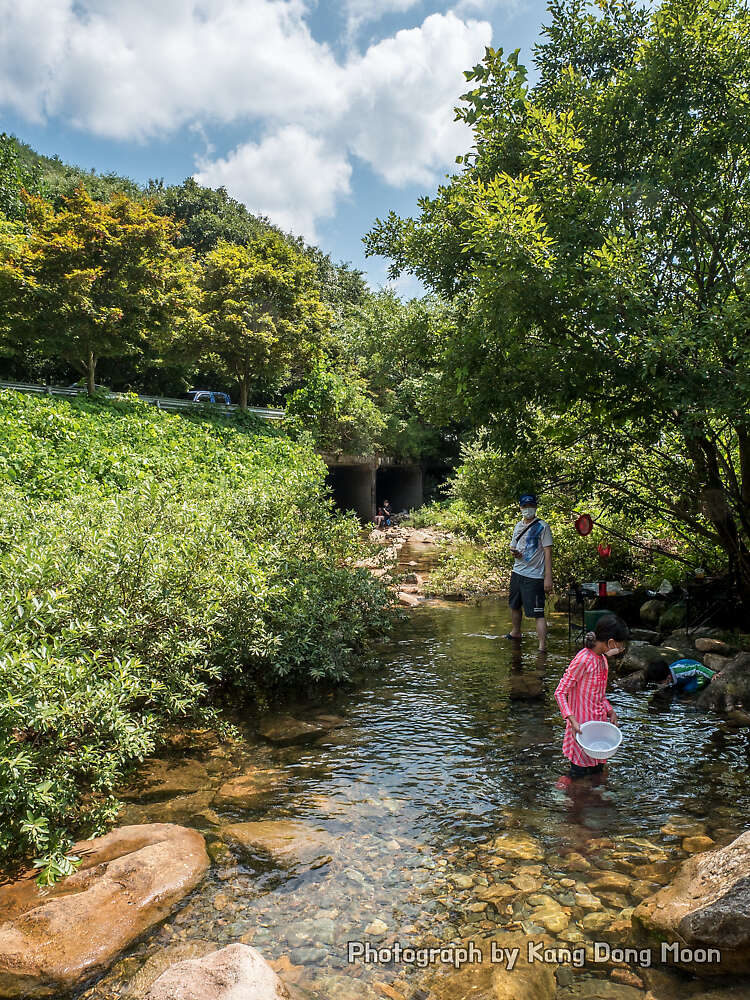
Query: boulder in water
x=237 y=972
x=285 y=840
x=731 y=691
x=697 y=844
x=183 y=809
x=164 y=779
x=716 y=661
x=649 y=635
x=283 y=730
x=709 y=645
x=638 y=656
x=673 y=617
x=248 y=790
x=705 y=908
x=515 y=844
x=633 y=682
x=53 y=940
x=683 y=826
x=407 y=600
x=651 y=611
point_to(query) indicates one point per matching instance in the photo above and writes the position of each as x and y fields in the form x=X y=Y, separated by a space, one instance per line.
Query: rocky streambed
x=420 y=810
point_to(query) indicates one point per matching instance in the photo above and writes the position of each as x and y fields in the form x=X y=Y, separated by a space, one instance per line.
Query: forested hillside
x=190 y=289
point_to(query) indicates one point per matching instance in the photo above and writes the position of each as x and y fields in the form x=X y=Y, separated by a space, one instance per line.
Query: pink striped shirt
x=581 y=693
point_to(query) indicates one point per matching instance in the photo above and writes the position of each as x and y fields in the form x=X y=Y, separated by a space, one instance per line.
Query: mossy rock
x=673 y=617
x=651 y=611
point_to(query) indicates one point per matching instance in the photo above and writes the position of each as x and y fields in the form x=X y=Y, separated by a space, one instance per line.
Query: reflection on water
x=451 y=741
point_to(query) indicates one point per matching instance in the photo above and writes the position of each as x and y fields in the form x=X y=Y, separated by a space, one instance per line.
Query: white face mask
x=528 y=512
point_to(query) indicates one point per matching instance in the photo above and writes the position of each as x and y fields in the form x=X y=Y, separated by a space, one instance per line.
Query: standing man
x=531 y=579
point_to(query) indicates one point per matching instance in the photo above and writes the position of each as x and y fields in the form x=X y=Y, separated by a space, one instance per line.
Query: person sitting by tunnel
x=384 y=516
x=681 y=677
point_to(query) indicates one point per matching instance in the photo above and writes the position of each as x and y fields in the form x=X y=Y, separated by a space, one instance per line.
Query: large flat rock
x=237 y=972
x=250 y=789
x=706 y=906
x=164 y=779
x=284 y=730
x=285 y=840
x=52 y=940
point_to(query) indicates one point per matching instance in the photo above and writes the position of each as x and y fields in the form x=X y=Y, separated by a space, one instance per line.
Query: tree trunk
x=744 y=440
x=719 y=512
x=243 y=392
x=743 y=580
x=90 y=370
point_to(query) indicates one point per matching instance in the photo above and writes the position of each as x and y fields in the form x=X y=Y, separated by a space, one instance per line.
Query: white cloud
x=404 y=90
x=31 y=47
x=290 y=176
x=134 y=69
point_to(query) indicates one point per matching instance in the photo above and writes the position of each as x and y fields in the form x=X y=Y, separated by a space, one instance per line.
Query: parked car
x=81 y=384
x=209 y=396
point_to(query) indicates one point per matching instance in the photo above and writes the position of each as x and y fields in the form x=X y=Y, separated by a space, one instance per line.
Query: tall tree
x=94 y=280
x=598 y=237
x=263 y=316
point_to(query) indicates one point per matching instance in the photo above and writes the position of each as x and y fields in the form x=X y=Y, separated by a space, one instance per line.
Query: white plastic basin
x=600 y=740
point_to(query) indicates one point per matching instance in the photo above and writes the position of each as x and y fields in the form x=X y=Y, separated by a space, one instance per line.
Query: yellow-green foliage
x=94 y=280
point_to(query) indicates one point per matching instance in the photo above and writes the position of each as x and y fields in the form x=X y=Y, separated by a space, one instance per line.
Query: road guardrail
x=160 y=402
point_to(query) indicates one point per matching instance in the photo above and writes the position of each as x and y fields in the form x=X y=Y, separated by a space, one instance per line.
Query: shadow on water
x=453 y=738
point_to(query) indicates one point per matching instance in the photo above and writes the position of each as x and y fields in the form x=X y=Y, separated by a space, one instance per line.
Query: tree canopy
x=262 y=313
x=94 y=280
x=596 y=241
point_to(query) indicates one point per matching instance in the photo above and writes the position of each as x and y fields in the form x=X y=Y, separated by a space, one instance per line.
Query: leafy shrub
x=453 y=517
x=338 y=410
x=148 y=563
x=483 y=565
x=471 y=569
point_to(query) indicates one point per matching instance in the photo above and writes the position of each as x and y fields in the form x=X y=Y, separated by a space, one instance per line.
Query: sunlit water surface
x=451 y=738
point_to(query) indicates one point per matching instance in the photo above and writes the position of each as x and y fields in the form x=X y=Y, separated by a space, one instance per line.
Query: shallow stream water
x=451 y=740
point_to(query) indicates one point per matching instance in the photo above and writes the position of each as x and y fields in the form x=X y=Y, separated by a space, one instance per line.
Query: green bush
x=483 y=565
x=149 y=563
x=454 y=517
x=336 y=408
x=471 y=569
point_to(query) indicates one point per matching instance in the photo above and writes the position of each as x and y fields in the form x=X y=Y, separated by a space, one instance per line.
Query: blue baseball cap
x=527 y=498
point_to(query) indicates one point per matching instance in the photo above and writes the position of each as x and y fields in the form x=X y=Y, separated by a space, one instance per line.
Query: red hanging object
x=584 y=524
x=605 y=551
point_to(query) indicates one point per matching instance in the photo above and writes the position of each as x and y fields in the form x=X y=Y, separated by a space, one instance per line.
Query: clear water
x=452 y=738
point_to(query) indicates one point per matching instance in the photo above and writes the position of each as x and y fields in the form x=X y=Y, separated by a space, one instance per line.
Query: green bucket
x=590 y=618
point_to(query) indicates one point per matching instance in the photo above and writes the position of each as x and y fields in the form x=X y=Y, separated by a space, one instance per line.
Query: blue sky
x=321 y=115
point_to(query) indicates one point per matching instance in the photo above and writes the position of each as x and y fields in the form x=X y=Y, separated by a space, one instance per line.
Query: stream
x=451 y=740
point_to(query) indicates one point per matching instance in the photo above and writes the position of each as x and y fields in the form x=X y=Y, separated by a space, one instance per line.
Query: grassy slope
x=149 y=561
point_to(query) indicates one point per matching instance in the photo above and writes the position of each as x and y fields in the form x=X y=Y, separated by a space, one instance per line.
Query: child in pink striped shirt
x=581 y=693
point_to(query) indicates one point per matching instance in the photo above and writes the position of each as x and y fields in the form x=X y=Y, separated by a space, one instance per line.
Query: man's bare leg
x=516 y=614
x=541 y=631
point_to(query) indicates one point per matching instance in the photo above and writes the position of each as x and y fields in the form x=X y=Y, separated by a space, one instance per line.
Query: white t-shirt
x=532 y=547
